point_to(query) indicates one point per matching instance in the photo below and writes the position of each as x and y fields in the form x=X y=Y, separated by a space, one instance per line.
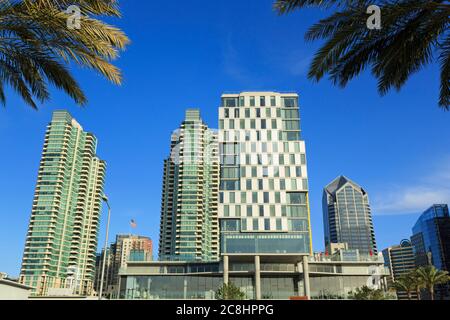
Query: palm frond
x=36 y=46
x=407 y=42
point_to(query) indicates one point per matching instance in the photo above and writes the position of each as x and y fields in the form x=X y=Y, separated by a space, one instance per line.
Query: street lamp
x=105 y=199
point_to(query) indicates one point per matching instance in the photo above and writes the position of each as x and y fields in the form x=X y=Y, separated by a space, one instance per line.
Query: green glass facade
x=189 y=224
x=62 y=236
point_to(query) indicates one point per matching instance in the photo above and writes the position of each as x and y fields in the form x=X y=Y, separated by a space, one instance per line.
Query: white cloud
x=429 y=189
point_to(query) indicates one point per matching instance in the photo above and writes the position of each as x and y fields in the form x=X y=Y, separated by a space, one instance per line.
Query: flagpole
x=105 y=251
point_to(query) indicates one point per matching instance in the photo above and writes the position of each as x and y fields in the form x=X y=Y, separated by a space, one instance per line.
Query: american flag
x=133 y=224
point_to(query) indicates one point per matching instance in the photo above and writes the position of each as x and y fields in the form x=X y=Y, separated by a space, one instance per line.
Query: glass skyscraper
x=263 y=206
x=431 y=237
x=189 y=228
x=347 y=216
x=61 y=242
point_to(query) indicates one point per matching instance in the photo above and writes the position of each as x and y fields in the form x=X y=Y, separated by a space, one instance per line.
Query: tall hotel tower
x=347 y=216
x=189 y=223
x=61 y=242
x=263 y=200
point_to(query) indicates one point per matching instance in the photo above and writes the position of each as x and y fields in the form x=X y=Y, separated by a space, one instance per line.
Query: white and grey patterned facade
x=263 y=200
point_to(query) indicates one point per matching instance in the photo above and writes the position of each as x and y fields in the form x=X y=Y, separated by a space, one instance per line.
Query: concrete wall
x=9 y=292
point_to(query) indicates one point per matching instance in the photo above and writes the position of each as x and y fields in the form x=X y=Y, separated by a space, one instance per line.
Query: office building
x=61 y=242
x=264 y=205
x=189 y=228
x=275 y=276
x=431 y=242
x=400 y=260
x=347 y=216
x=125 y=248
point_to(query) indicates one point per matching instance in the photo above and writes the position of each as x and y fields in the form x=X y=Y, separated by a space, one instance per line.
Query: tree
x=230 y=292
x=405 y=283
x=37 y=45
x=413 y=34
x=418 y=282
x=430 y=277
x=366 y=293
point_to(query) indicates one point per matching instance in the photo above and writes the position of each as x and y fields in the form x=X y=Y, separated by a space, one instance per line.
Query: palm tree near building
x=429 y=277
x=405 y=283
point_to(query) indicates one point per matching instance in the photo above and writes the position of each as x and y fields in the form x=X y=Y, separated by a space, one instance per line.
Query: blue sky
x=185 y=54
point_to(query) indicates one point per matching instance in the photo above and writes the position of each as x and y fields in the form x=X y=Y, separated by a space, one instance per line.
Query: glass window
x=296 y=197
x=255 y=224
x=278 y=222
x=266 y=224
x=243 y=224
x=289 y=102
x=261 y=210
x=272 y=211
x=229 y=102
x=241 y=101
x=277 y=197
x=262 y=101
x=282 y=184
x=252 y=101
x=272 y=101
x=237 y=210
x=236 y=113
x=303 y=158
x=226 y=210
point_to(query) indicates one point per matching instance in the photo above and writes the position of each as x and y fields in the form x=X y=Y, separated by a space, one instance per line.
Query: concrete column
x=225 y=269
x=257 y=278
x=306 y=277
x=300 y=280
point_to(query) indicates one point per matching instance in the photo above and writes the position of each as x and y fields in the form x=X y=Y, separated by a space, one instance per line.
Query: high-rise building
x=61 y=242
x=263 y=206
x=431 y=237
x=431 y=242
x=347 y=216
x=189 y=224
x=125 y=248
x=400 y=260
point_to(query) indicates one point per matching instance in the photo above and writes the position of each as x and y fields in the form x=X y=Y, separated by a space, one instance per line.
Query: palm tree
x=414 y=33
x=432 y=277
x=405 y=283
x=37 y=46
x=418 y=282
